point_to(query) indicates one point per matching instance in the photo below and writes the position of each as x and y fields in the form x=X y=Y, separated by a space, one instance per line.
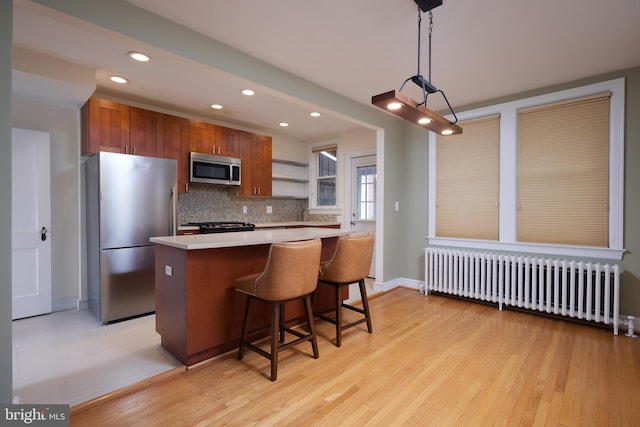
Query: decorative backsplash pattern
x=215 y=203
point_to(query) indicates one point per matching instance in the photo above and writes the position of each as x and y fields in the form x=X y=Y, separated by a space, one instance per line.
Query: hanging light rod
x=413 y=111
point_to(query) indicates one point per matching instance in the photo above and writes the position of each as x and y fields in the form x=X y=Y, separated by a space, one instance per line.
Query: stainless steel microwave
x=210 y=169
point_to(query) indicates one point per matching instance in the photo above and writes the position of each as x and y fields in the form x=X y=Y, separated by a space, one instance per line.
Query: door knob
x=43 y=234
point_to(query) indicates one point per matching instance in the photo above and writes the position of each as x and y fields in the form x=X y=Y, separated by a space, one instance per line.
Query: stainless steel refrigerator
x=129 y=199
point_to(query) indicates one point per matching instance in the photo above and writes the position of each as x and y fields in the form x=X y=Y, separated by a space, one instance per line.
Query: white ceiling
x=359 y=48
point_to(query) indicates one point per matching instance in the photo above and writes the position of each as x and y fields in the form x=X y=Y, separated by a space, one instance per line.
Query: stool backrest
x=352 y=259
x=291 y=271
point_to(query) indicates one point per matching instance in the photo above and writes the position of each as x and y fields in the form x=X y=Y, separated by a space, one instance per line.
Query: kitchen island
x=198 y=312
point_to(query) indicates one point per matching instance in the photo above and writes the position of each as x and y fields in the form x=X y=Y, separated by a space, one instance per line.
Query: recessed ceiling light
x=424 y=121
x=314 y=114
x=283 y=124
x=118 y=79
x=216 y=106
x=247 y=92
x=139 y=56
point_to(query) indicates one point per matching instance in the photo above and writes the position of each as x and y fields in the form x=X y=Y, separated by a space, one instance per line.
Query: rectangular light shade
x=409 y=111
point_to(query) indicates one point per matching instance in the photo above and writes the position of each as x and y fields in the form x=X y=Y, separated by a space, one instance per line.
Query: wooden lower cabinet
x=198 y=311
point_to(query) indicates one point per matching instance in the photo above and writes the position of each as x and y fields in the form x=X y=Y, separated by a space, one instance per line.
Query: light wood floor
x=430 y=361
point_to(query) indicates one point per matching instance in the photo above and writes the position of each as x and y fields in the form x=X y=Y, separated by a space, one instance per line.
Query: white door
x=30 y=223
x=363 y=198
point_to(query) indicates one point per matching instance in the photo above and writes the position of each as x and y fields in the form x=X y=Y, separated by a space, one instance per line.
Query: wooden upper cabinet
x=261 y=164
x=146 y=133
x=176 y=146
x=256 y=164
x=105 y=126
x=115 y=127
x=228 y=141
x=202 y=137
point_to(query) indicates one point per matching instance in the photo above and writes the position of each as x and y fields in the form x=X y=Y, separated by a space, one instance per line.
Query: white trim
x=380 y=204
x=530 y=248
x=399 y=282
x=64 y=304
x=508 y=175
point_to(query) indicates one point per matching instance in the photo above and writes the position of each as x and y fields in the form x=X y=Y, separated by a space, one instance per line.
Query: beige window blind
x=563 y=172
x=467 y=181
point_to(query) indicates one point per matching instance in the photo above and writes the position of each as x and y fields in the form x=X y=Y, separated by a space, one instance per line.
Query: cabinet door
x=228 y=141
x=256 y=164
x=202 y=137
x=176 y=146
x=146 y=133
x=261 y=164
x=105 y=126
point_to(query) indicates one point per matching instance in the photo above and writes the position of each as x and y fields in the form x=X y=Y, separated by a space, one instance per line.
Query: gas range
x=222 y=226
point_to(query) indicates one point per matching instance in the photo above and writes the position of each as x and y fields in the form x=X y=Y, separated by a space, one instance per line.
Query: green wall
x=415 y=179
x=6 y=37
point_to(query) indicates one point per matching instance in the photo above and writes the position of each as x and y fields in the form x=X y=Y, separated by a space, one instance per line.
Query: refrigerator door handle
x=174 y=209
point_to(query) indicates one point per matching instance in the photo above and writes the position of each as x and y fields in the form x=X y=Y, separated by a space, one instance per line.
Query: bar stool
x=291 y=273
x=350 y=264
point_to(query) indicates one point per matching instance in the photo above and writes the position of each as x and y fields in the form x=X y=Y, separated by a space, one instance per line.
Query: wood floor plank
x=431 y=361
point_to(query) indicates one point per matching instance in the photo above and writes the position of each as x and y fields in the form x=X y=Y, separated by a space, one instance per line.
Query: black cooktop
x=222 y=226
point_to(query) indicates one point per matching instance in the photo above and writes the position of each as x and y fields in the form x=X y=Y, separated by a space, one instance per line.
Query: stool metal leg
x=245 y=327
x=365 y=304
x=275 y=335
x=312 y=329
x=338 y=315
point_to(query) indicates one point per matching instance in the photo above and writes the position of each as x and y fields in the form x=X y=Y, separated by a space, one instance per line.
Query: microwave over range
x=211 y=169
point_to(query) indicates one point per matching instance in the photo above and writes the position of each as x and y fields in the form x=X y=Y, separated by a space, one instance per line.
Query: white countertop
x=246 y=238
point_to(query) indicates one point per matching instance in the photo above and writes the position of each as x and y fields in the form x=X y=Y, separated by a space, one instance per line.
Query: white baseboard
x=64 y=304
x=400 y=281
x=82 y=304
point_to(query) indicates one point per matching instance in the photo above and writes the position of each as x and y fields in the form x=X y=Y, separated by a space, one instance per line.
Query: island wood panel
x=198 y=311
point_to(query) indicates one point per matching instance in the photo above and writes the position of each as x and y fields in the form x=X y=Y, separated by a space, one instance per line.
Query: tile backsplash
x=213 y=203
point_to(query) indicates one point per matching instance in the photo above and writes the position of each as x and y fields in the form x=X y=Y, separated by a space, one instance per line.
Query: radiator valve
x=630 y=327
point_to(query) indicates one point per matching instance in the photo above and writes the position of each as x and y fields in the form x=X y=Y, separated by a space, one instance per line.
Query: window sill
x=531 y=248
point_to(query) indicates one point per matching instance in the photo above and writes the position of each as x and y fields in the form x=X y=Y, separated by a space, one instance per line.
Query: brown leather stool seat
x=291 y=273
x=350 y=264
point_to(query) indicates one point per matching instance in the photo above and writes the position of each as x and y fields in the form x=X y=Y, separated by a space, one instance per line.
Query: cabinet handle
x=126 y=149
x=134 y=150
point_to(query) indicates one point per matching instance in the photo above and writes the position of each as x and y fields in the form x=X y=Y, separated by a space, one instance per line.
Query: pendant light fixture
x=404 y=106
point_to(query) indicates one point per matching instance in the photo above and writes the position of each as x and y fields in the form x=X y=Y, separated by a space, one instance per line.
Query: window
x=467 y=181
x=563 y=172
x=366 y=192
x=561 y=178
x=325 y=161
